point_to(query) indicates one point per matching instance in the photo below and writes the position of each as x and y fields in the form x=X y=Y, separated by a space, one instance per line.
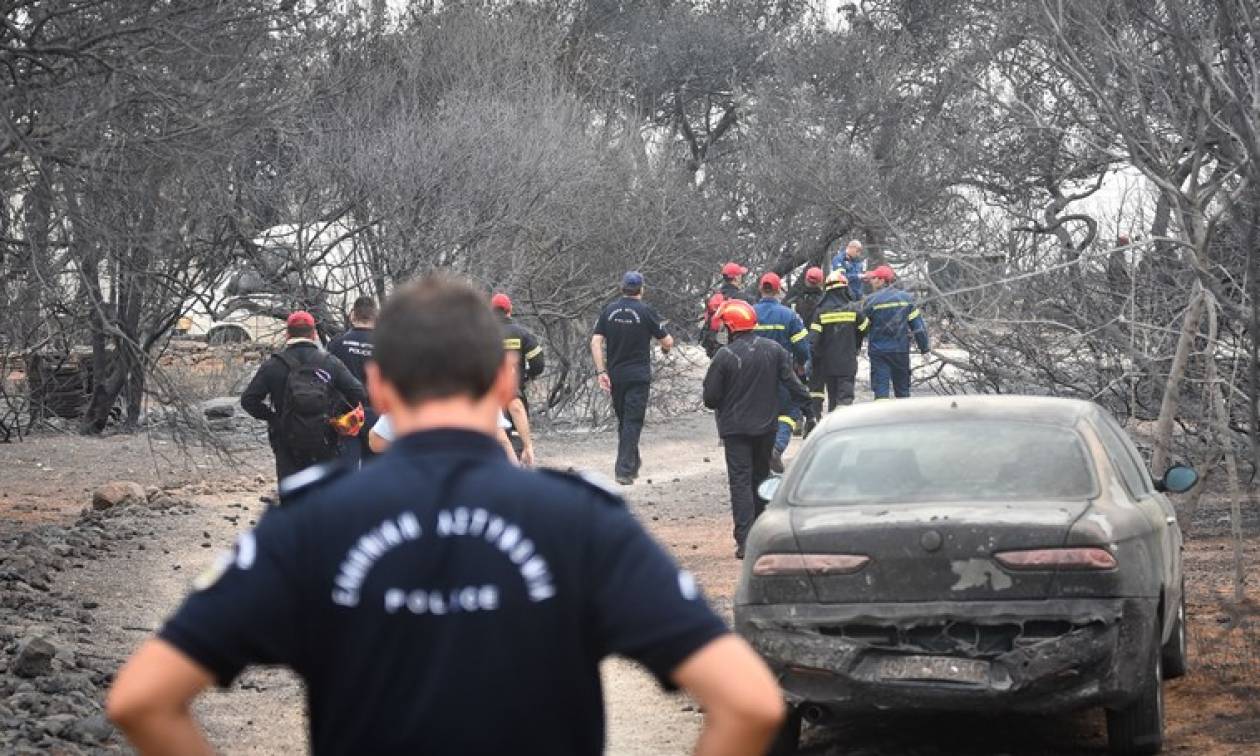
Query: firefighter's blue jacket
x=778 y=322
x=894 y=318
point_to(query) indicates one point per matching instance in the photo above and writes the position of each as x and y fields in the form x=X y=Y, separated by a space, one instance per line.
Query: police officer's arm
x=255 y=394
x=244 y=611
x=715 y=380
x=919 y=329
x=645 y=608
x=739 y=696
x=658 y=331
x=535 y=360
x=597 y=351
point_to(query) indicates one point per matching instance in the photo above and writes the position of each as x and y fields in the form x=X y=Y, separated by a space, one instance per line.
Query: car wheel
x=1175 y=659
x=788 y=740
x=1138 y=728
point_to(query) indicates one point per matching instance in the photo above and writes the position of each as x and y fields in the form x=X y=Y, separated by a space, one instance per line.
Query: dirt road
x=681 y=498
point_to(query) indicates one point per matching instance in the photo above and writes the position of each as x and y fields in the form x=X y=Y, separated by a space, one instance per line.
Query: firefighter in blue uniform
x=894 y=319
x=780 y=324
x=850 y=261
x=445 y=588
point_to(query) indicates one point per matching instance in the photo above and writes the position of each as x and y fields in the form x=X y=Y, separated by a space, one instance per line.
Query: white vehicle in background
x=323 y=263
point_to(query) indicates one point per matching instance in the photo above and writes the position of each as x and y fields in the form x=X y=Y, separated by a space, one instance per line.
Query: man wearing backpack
x=297 y=391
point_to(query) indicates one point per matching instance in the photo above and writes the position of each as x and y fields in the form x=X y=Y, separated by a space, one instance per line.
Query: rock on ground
x=118 y=493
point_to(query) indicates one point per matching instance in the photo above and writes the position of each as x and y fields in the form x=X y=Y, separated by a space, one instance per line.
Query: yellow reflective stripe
x=769 y=327
x=865 y=324
x=789 y=422
x=799 y=335
x=531 y=354
x=816 y=327
x=512 y=344
x=913 y=314
x=818 y=394
x=837 y=285
x=889 y=305
x=844 y=316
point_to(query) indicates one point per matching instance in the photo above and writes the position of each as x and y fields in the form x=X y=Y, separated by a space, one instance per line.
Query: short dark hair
x=436 y=338
x=364 y=308
x=300 y=331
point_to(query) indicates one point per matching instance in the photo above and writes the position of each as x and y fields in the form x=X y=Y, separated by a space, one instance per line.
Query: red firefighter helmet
x=736 y=316
x=814 y=275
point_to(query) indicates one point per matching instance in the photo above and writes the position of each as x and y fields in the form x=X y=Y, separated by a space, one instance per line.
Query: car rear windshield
x=980 y=460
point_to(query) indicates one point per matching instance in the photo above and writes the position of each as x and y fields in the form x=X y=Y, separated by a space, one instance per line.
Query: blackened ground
x=115 y=577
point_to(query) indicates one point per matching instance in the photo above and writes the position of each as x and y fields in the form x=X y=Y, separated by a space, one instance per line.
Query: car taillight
x=1089 y=558
x=814 y=564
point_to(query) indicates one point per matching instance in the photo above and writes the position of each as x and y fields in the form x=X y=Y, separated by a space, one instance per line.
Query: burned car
x=970 y=553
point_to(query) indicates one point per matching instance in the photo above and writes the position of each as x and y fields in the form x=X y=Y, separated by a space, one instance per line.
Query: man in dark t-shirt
x=446 y=602
x=354 y=348
x=622 y=351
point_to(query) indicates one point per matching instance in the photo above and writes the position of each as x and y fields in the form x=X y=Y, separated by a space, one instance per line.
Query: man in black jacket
x=354 y=348
x=264 y=398
x=835 y=338
x=732 y=288
x=742 y=385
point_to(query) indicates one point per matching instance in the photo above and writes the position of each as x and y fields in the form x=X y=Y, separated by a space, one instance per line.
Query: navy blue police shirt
x=628 y=327
x=354 y=348
x=447 y=602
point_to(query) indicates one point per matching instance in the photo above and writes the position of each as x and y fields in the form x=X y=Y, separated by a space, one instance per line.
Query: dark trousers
x=747 y=465
x=890 y=367
x=839 y=390
x=817 y=393
x=630 y=402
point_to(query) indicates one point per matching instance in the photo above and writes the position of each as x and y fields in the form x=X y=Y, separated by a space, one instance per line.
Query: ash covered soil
x=80 y=588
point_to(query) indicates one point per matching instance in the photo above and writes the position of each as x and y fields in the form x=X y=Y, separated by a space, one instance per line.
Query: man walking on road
x=297 y=391
x=835 y=338
x=354 y=349
x=519 y=340
x=784 y=327
x=437 y=606
x=894 y=319
x=622 y=352
x=743 y=385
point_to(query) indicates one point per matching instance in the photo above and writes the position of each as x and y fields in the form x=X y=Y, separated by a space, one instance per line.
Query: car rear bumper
x=1041 y=655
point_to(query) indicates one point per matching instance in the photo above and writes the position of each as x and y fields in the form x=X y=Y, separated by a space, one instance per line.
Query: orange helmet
x=736 y=315
x=350 y=423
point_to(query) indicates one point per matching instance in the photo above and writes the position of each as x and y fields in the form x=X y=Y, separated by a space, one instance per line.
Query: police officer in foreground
x=354 y=349
x=894 y=319
x=742 y=385
x=781 y=325
x=450 y=602
x=621 y=349
x=835 y=338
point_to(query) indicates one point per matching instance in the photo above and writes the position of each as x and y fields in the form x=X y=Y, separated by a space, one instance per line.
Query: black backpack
x=307 y=408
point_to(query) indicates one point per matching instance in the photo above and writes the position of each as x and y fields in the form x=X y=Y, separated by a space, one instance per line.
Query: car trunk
x=933 y=551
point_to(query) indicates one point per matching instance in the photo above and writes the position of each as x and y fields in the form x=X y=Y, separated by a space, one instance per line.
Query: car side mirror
x=769 y=487
x=1178 y=479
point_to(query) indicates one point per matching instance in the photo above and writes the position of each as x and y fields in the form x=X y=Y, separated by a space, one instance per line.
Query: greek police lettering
x=483 y=598
x=370 y=547
x=624 y=315
x=507 y=538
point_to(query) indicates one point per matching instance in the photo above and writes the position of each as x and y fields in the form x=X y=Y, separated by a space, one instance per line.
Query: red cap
x=882 y=272
x=771 y=280
x=814 y=275
x=501 y=301
x=732 y=269
x=299 y=319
